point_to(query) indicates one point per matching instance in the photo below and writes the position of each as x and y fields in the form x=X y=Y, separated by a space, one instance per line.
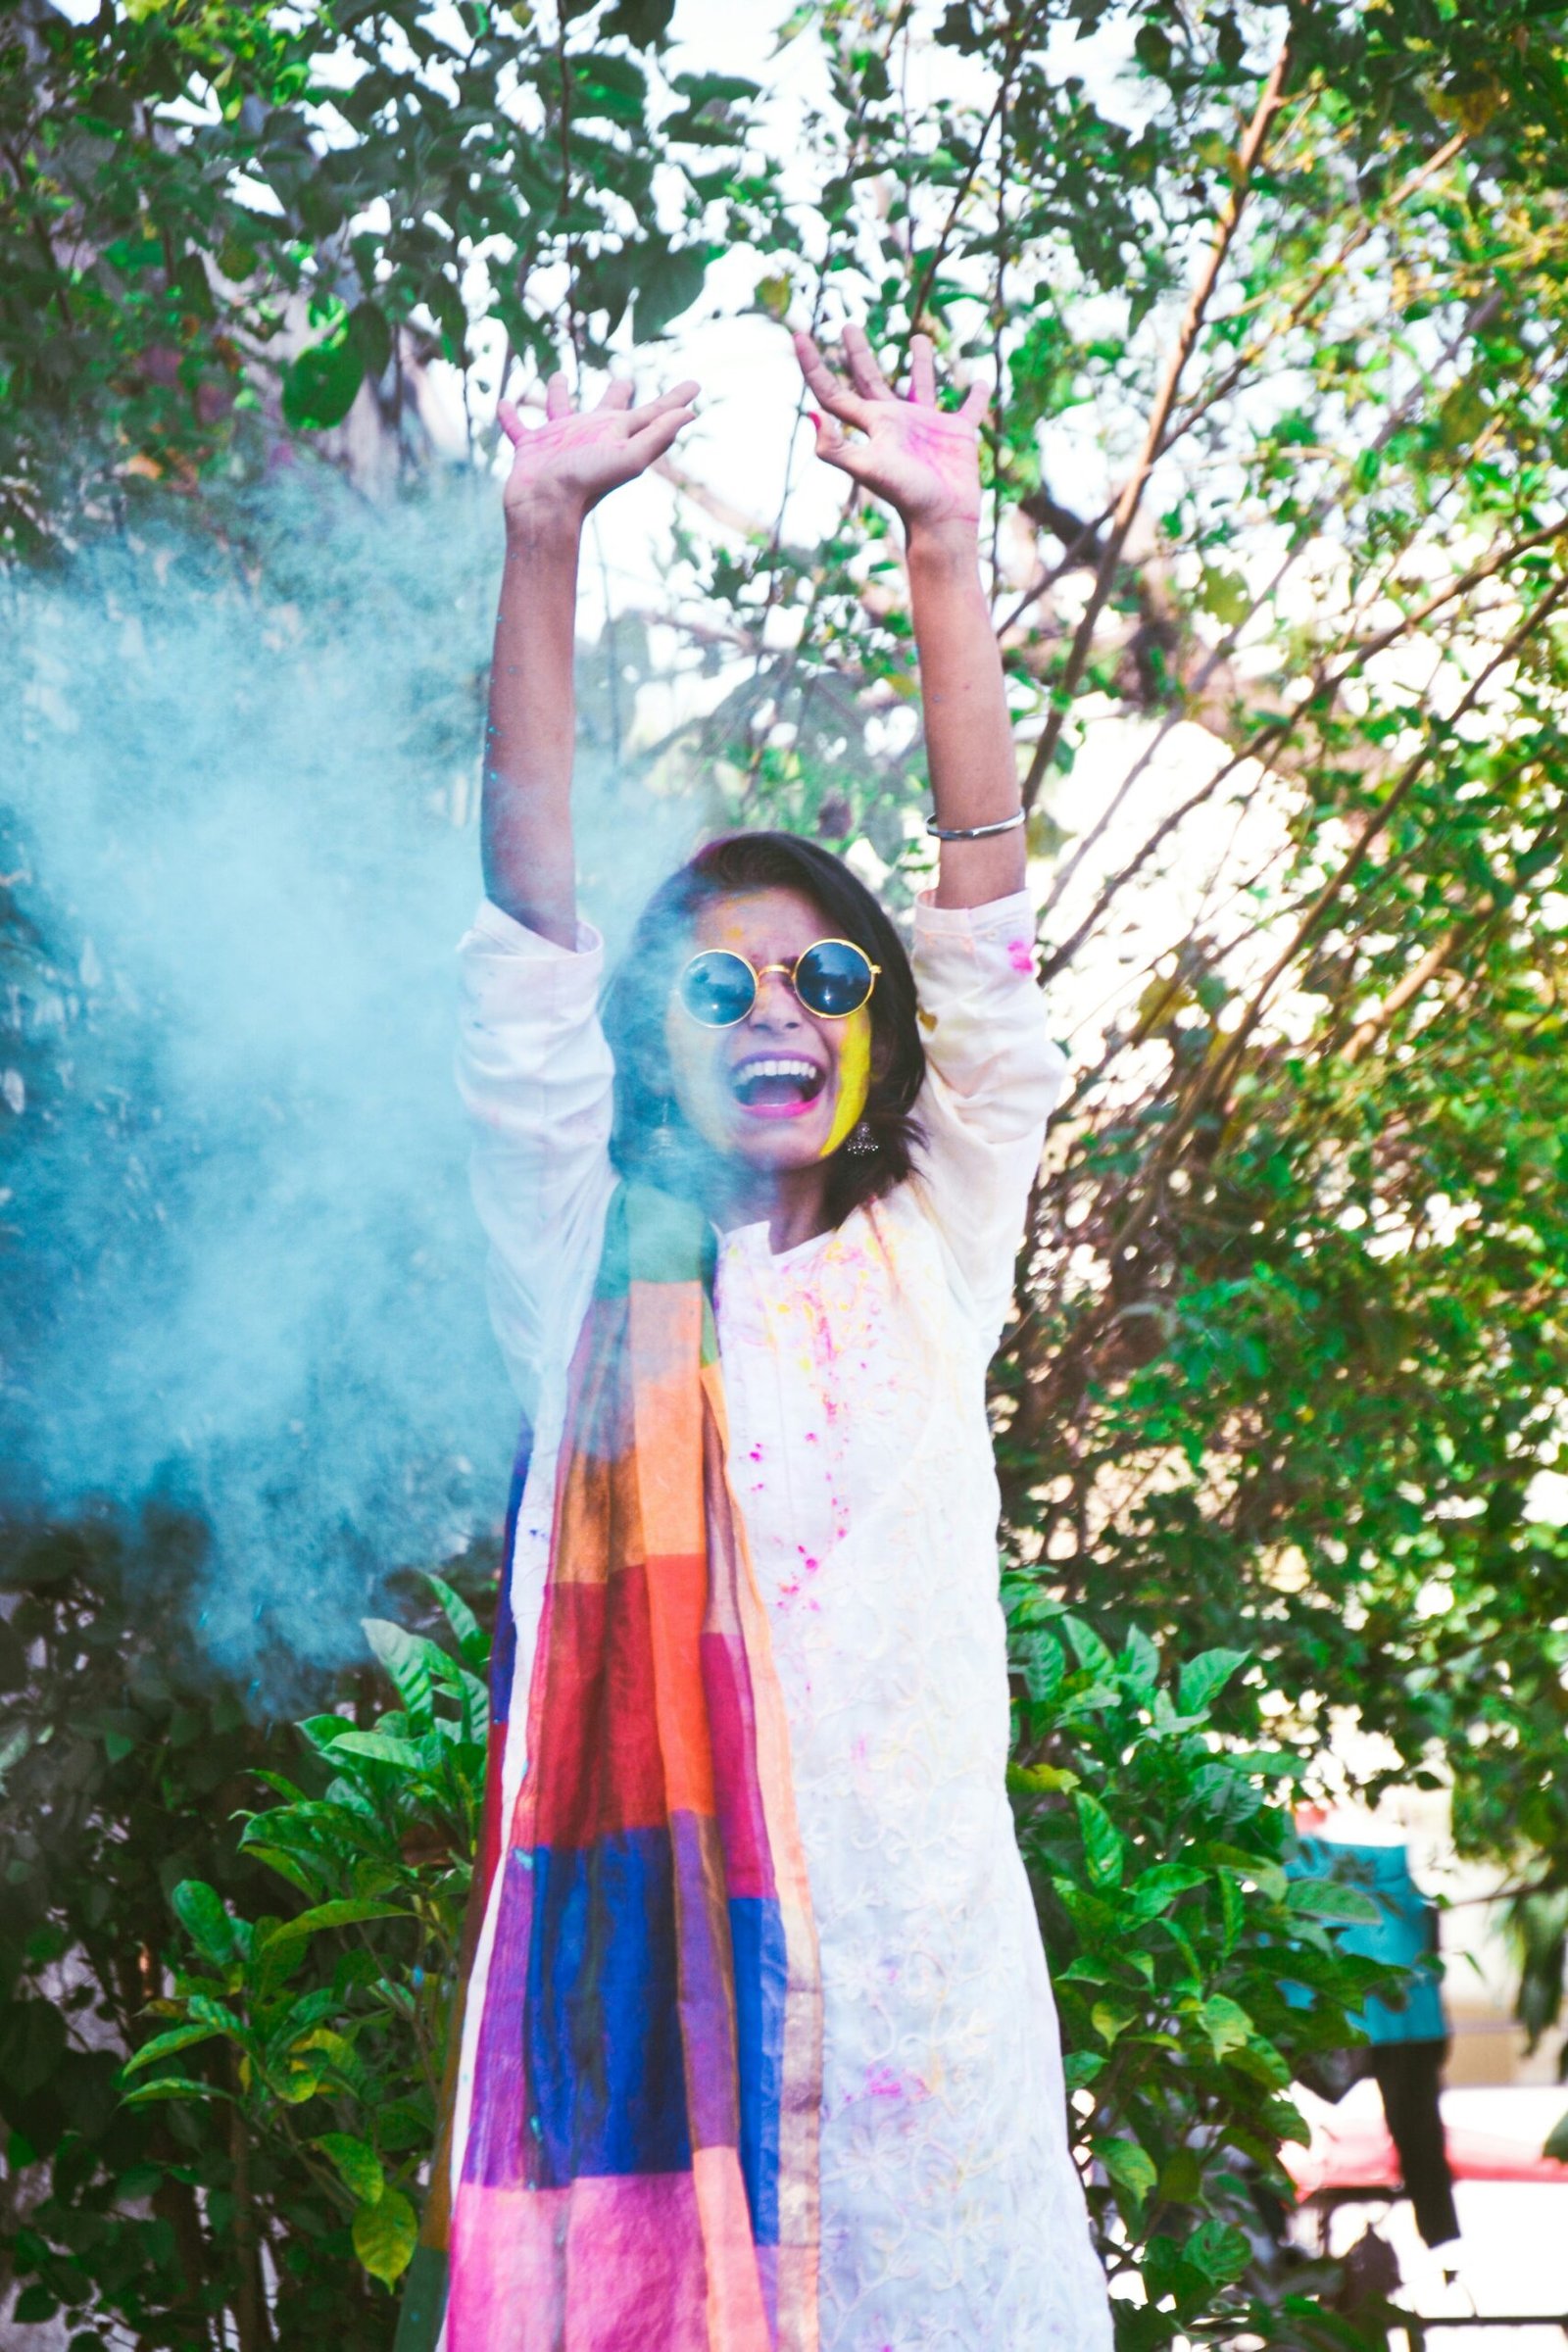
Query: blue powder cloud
x=242 y=1268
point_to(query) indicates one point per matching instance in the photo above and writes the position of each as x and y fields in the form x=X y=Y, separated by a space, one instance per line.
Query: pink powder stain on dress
x=1021 y=955
x=882 y=2082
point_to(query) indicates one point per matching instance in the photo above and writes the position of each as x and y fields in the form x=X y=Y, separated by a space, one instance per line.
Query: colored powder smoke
x=238 y=813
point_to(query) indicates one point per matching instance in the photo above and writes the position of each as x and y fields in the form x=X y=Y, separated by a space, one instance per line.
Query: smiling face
x=782 y=1088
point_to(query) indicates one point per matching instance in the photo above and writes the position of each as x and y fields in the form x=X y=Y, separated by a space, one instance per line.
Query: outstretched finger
x=976 y=401
x=869 y=378
x=650 y=441
x=835 y=449
x=679 y=395
x=616 y=394
x=557 y=398
x=511 y=423
x=922 y=373
x=824 y=386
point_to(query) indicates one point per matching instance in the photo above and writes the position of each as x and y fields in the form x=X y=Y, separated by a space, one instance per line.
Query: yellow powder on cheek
x=855 y=1079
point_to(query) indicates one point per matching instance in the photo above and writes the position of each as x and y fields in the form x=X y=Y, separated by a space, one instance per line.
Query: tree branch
x=1263 y=741
x=1127 y=505
x=1222 y=1066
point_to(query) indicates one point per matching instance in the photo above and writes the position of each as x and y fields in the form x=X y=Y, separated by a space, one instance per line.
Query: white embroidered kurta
x=854 y=1372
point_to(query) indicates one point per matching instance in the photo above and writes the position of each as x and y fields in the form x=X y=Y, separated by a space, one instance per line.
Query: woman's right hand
x=561 y=468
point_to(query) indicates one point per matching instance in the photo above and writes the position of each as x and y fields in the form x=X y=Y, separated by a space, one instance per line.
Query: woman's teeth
x=777 y=1082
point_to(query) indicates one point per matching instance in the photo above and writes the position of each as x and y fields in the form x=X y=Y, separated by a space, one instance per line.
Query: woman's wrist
x=545 y=520
x=951 y=544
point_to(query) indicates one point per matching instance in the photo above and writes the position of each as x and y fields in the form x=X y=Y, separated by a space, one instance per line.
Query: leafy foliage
x=1192 y=1976
x=220 y=221
x=334 y=2018
x=125 y=1774
x=1195 y=1978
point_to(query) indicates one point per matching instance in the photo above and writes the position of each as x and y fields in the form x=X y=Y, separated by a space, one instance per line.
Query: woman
x=758 y=2048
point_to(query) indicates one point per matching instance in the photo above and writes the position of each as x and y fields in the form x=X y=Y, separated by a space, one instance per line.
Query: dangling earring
x=862 y=1143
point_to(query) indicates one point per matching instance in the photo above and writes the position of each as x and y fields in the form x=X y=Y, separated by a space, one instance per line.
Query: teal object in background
x=1404 y=1935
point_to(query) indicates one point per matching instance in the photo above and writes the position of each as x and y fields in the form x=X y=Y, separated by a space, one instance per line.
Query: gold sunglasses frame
x=789 y=971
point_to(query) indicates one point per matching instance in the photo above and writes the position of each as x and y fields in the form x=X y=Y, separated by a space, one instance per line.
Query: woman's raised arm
x=560 y=472
x=924 y=460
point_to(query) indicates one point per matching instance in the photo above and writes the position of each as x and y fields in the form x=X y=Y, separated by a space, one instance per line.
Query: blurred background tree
x=1273 y=300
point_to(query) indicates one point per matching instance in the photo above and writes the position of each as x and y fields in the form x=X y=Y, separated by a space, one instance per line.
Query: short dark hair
x=635 y=1002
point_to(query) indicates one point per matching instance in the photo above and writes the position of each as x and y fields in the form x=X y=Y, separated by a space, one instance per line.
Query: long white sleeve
x=993 y=1075
x=536 y=1078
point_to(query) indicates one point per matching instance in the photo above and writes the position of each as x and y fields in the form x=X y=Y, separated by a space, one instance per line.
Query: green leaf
x=1333 y=1898
x=372 y=338
x=472 y=1645
x=1140 y=1662
x=1151 y=46
x=1219 y=2250
x=381 y=1748
x=284 y=1864
x=1112 y=2019
x=1181 y=2178
x=1039 y=1780
x=324 y=1731
x=173 y=2086
x=1045 y=1665
x=1225 y=595
x=343 y=1911
x=1102 y=1842
x=1464 y=414
x=1202 y=1678
x=1130 y=2166
x=672 y=281
x=410 y=1660
x=14 y=1745
x=1155 y=1889
x=1091 y=1651
x=358 y=2165
x=607 y=86
x=1558 y=2142
x=1262 y=2060
x=643 y=22
x=700 y=89
x=1287 y=2122
x=1226 y=2023
x=385 y=2235
x=320 y=386
x=163 y=2045
x=204 y=1921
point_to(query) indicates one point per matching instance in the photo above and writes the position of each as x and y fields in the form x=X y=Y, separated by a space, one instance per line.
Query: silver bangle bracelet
x=1004 y=824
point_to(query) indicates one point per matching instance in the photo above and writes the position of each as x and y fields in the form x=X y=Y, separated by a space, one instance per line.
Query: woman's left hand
x=924 y=460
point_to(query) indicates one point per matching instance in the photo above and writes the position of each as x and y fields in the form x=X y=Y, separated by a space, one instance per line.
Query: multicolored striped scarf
x=640 y=2167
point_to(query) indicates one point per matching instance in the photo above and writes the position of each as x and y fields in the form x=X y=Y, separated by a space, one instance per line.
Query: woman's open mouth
x=776 y=1086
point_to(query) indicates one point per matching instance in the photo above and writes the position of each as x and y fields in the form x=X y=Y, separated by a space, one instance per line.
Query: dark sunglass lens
x=717 y=988
x=833 y=978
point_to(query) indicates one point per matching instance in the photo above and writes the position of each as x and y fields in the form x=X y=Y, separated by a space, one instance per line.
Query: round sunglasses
x=832 y=978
